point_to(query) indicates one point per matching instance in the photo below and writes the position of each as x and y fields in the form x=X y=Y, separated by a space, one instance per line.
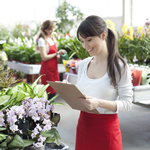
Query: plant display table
x=30 y=69
x=140 y=93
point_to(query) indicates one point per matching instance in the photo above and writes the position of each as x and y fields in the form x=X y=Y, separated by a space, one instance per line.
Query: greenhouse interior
x=45 y=89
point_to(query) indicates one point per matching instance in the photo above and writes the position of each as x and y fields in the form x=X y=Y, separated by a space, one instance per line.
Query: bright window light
x=140 y=12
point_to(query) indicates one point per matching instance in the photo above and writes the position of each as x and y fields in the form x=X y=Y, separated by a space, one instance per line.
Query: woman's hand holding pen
x=66 y=80
x=89 y=102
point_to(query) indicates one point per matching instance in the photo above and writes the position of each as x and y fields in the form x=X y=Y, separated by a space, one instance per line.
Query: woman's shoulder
x=122 y=63
x=41 y=41
x=85 y=61
x=124 y=68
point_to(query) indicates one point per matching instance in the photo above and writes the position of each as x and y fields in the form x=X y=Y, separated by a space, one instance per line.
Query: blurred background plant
x=134 y=45
x=73 y=47
x=22 y=50
x=110 y=25
x=4 y=35
x=64 y=12
x=6 y=76
x=24 y=30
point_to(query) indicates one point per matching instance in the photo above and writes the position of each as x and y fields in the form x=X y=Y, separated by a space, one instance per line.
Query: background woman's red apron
x=98 y=132
x=50 y=69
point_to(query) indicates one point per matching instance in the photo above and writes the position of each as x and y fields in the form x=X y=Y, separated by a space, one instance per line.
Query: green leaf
x=37 y=89
x=43 y=89
x=29 y=89
x=55 y=103
x=28 y=142
x=35 y=82
x=4 y=99
x=50 y=140
x=2 y=129
x=12 y=91
x=52 y=133
x=20 y=96
x=56 y=119
x=9 y=139
x=53 y=98
x=17 y=142
x=3 y=144
x=3 y=136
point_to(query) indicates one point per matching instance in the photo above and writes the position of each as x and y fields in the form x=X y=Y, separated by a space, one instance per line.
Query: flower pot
x=30 y=78
x=34 y=148
x=53 y=146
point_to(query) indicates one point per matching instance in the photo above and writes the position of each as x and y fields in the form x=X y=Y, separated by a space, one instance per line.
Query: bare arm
x=46 y=56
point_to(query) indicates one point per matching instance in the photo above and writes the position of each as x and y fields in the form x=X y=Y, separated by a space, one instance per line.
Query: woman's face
x=94 y=44
x=49 y=32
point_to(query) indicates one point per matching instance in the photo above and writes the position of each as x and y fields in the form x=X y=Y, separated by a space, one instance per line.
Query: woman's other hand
x=61 y=52
x=89 y=102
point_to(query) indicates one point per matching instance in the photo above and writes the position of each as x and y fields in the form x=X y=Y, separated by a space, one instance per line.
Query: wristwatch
x=56 y=53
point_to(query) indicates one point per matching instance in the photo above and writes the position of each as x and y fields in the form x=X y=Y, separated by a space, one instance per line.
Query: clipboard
x=70 y=93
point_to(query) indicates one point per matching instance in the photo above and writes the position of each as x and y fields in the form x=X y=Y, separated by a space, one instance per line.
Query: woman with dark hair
x=105 y=79
x=46 y=44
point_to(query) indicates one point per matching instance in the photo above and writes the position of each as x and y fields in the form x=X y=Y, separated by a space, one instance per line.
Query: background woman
x=46 y=44
x=105 y=79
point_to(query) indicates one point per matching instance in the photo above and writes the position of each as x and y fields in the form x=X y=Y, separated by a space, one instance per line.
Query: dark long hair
x=48 y=24
x=95 y=26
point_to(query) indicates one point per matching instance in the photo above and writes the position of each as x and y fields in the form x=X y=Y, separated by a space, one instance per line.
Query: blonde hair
x=48 y=24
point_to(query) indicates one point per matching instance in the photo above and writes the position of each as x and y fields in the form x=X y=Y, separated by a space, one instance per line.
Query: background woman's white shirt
x=42 y=43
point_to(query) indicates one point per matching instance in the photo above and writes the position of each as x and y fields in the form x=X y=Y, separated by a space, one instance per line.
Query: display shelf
x=30 y=68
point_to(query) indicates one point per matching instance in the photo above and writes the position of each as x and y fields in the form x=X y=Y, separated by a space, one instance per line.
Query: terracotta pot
x=30 y=78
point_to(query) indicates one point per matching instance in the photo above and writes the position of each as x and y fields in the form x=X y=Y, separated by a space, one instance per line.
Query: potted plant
x=6 y=76
x=20 y=75
x=17 y=114
x=134 y=43
x=31 y=122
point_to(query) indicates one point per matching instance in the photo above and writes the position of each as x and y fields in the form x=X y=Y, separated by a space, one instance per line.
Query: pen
x=67 y=78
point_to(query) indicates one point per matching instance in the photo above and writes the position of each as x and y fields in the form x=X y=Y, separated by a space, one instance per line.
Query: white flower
x=41 y=138
x=14 y=128
x=38 y=144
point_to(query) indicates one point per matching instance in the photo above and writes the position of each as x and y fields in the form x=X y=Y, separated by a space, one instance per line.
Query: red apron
x=98 y=132
x=50 y=69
